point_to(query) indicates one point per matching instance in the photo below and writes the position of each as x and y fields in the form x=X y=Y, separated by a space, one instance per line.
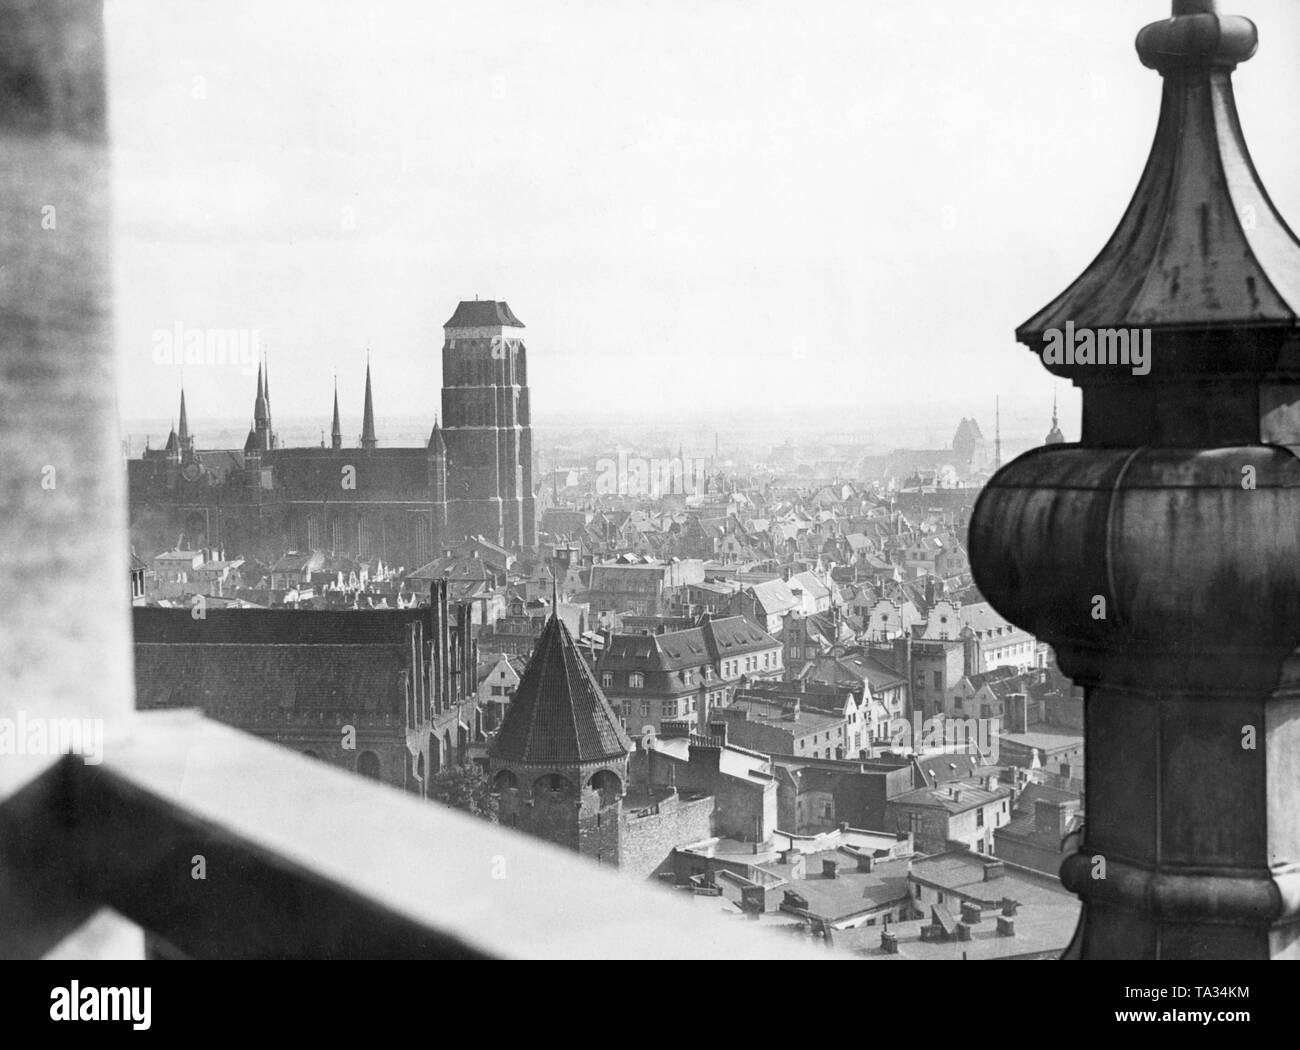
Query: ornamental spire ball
x=1197 y=35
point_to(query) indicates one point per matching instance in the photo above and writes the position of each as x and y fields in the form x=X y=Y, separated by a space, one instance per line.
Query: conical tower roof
x=184 y=432
x=558 y=715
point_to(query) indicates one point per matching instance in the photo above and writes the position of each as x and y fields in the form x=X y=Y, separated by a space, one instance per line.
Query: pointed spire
x=997 y=432
x=436 y=443
x=261 y=413
x=336 y=431
x=1054 y=436
x=368 y=414
x=184 y=432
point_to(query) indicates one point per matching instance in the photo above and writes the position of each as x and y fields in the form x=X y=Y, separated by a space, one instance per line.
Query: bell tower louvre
x=1160 y=555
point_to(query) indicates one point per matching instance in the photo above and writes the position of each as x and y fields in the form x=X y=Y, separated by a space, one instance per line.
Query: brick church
x=403 y=505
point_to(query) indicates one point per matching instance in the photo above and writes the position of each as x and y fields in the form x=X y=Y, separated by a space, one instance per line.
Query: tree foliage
x=467 y=788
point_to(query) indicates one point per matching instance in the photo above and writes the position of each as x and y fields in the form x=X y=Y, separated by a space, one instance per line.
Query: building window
x=938 y=679
x=606 y=680
x=669 y=709
x=979 y=817
x=980 y=845
x=636 y=681
x=645 y=708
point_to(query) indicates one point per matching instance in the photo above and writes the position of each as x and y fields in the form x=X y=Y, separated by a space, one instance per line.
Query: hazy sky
x=699 y=209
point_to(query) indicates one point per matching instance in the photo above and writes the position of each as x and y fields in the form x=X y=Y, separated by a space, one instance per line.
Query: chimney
x=994 y=869
x=718 y=731
x=843 y=827
x=970 y=913
x=1051 y=817
x=753 y=901
x=956 y=794
x=866 y=862
x=829 y=868
x=889 y=943
x=1009 y=907
x=1006 y=927
x=1017 y=708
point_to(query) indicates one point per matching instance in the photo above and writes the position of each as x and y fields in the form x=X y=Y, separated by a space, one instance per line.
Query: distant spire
x=555 y=595
x=261 y=412
x=184 y=432
x=336 y=432
x=1054 y=436
x=368 y=414
x=271 y=441
x=997 y=433
x=436 y=443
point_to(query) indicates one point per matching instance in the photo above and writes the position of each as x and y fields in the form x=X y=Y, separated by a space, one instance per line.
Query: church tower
x=488 y=424
x=560 y=757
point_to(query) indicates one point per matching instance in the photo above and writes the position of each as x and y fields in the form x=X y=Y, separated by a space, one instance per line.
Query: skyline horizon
x=776 y=208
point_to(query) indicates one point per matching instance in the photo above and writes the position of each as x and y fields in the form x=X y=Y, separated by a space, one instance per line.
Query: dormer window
x=636 y=680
